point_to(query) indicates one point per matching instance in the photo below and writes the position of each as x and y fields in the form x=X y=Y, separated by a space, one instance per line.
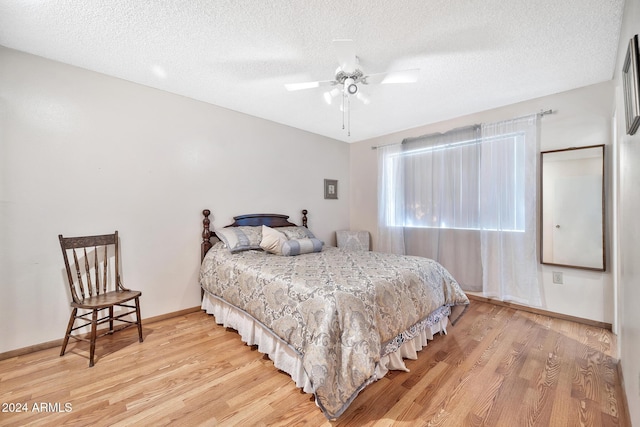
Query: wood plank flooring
x=497 y=367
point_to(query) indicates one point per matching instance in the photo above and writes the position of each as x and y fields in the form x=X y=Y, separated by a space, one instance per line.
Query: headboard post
x=206 y=234
x=304 y=218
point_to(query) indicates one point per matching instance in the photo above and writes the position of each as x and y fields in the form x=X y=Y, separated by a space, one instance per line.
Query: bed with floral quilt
x=335 y=320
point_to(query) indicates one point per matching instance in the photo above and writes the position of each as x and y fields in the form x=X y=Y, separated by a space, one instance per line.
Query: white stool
x=353 y=240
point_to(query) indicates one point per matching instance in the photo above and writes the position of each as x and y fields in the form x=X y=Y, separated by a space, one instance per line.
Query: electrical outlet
x=557 y=277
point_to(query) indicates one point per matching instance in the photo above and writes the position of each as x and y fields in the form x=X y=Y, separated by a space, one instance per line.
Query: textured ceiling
x=473 y=55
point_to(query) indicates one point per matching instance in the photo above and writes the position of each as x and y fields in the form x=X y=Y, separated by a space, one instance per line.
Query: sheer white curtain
x=441 y=199
x=390 y=200
x=509 y=235
x=467 y=198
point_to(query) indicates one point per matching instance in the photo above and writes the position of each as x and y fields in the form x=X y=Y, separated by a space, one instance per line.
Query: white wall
x=581 y=117
x=629 y=228
x=84 y=153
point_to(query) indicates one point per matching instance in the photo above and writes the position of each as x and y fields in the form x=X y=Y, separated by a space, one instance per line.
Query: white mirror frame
x=566 y=184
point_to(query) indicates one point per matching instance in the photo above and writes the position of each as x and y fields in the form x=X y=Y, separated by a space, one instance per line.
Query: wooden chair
x=104 y=290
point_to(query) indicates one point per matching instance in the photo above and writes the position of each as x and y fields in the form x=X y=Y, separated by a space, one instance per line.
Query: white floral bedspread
x=336 y=308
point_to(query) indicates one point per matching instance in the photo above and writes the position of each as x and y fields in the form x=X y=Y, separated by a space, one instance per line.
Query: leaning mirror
x=572 y=190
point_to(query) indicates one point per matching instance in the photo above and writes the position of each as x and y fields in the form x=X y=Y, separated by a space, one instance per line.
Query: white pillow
x=272 y=240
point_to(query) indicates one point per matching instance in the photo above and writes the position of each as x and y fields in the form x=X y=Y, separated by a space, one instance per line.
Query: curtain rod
x=540 y=114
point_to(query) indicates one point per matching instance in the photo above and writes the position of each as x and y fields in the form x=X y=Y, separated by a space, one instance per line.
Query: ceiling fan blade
x=346 y=55
x=402 y=76
x=308 y=85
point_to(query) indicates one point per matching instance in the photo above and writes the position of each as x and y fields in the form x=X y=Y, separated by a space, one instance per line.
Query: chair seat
x=107 y=299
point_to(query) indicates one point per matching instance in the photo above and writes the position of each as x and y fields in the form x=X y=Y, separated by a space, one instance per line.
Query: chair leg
x=139 y=320
x=111 y=319
x=72 y=320
x=94 y=327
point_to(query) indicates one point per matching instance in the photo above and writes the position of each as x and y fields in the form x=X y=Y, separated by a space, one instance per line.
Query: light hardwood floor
x=497 y=367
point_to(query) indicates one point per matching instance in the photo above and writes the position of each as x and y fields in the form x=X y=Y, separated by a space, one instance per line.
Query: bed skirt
x=287 y=359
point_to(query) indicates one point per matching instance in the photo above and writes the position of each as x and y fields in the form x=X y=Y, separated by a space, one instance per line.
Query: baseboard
x=542 y=312
x=30 y=349
x=624 y=419
x=170 y=315
x=58 y=343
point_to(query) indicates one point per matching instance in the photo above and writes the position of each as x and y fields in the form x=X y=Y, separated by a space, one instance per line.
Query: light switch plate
x=557 y=277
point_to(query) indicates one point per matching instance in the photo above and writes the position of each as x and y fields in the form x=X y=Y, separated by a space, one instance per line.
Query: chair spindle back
x=94 y=273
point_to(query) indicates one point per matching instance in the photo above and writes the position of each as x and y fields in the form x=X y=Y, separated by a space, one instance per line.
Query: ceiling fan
x=349 y=75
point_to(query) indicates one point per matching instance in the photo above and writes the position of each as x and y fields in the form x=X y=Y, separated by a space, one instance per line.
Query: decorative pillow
x=294 y=247
x=241 y=238
x=272 y=240
x=297 y=232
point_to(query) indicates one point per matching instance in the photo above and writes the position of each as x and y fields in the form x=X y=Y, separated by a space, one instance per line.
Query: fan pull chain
x=348 y=117
x=343 y=97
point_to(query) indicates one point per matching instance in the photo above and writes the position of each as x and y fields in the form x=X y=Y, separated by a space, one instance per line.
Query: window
x=449 y=185
x=432 y=189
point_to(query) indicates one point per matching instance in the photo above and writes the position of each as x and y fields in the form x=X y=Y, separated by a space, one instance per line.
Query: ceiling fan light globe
x=330 y=94
x=352 y=89
x=365 y=99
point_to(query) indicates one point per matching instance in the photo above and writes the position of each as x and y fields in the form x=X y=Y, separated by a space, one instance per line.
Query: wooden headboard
x=270 y=220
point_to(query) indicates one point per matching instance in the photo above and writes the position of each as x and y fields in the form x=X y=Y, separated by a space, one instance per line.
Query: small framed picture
x=330 y=188
x=631 y=86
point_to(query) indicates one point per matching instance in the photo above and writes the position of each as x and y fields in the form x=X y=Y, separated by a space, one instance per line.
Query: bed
x=334 y=320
